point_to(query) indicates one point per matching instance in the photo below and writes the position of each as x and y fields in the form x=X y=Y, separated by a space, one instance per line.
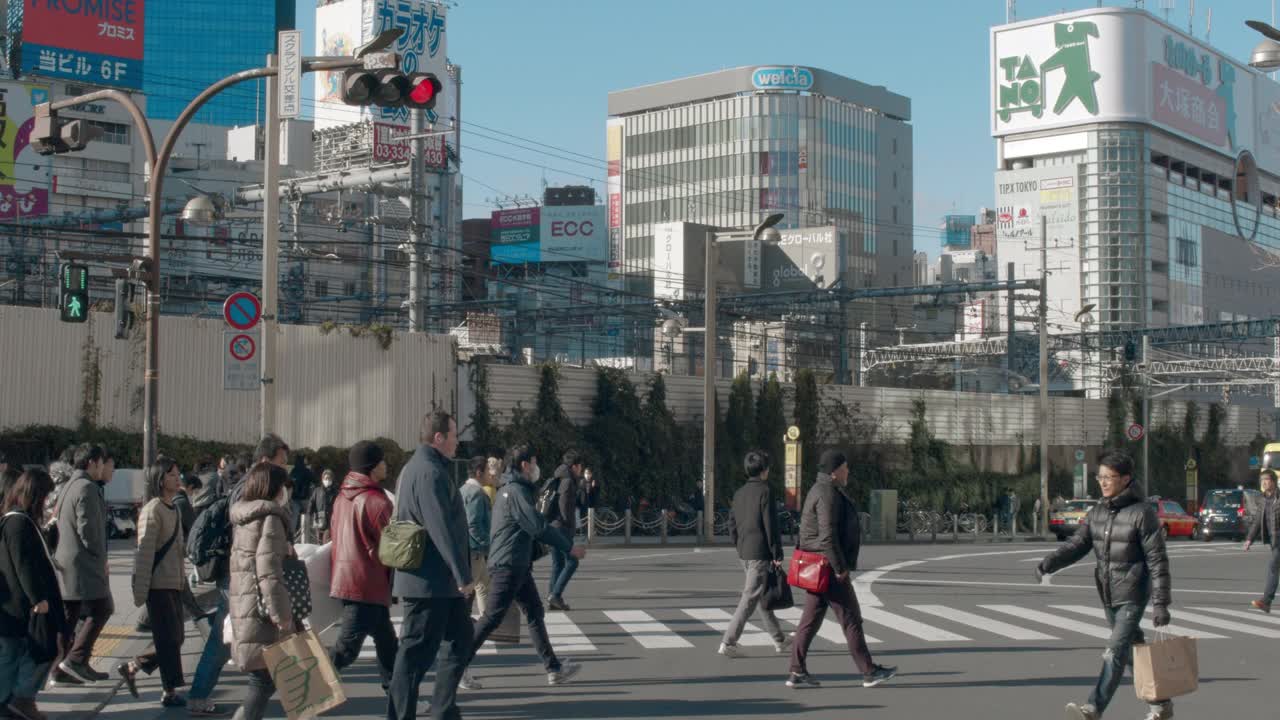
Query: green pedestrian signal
x=75 y=293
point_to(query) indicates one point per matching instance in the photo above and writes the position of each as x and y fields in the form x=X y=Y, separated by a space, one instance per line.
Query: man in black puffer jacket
x=1133 y=569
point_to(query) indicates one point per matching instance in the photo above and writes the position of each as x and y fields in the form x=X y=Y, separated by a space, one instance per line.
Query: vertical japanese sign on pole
x=1193 y=484
x=793 y=455
x=290 y=84
x=241 y=366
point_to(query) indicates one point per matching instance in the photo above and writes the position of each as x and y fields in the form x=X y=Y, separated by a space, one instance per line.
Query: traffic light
x=124 y=308
x=53 y=136
x=74 y=302
x=1130 y=351
x=390 y=88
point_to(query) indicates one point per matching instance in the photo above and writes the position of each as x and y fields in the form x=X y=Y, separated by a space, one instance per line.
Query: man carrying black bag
x=755 y=531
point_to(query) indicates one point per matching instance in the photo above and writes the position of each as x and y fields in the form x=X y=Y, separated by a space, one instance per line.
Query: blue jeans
x=20 y=676
x=563 y=566
x=215 y=654
x=1125 y=633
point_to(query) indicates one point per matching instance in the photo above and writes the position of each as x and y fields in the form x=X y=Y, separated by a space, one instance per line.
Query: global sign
x=782 y=78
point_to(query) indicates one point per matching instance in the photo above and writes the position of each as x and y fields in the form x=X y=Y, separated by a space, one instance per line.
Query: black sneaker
x=130 y=678
x=559 y=604
x=81 y=672
x=878 y=674
x=173 y=700
x=802 y=680
x=58 y=679
x=97 y=676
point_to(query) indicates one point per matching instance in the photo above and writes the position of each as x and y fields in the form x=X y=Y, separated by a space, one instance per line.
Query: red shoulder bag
x=809 y=571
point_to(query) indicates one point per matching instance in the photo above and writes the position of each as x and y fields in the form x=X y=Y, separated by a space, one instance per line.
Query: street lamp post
x=765 y=232
x=158 y=162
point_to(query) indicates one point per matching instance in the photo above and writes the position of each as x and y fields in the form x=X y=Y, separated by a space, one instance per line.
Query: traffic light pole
x=417 y=212
x=270 y=254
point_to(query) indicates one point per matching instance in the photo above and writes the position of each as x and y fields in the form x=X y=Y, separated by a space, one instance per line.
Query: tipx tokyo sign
x=782 y=78
x=90 y=41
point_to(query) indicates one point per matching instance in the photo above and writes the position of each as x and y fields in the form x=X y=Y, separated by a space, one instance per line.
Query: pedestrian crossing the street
x=684 y=629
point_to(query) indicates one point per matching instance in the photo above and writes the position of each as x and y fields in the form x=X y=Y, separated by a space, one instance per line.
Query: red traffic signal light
x=390 y=88
x=424 y=89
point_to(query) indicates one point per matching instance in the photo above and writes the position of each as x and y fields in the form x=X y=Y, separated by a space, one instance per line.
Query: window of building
x=322 y=288
x=114 y=133
x=1187 y=255
x=349 y=288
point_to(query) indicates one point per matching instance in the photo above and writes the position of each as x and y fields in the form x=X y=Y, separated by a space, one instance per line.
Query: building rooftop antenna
x=1010 y=11
x=1167 y=7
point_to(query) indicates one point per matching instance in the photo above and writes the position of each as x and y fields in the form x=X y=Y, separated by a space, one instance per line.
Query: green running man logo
x=1022 y=84
x=73 y=307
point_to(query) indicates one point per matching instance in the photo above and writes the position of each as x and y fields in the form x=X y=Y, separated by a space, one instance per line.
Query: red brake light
x=1240 y=511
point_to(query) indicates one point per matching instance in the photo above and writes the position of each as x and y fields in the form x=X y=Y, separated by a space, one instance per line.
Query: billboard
x=805 y=259
x=25 y=175
x=1125 y=65
x=344 y=25
x=98 y=43
x=1023 y=196
x=668 y=261
x=389 y=148
x=613 y=156
x=573 y=233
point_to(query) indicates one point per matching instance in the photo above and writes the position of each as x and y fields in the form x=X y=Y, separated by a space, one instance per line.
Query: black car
x=1227 y=513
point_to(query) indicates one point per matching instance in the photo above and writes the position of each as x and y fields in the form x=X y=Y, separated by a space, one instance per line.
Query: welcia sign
x=782 y=78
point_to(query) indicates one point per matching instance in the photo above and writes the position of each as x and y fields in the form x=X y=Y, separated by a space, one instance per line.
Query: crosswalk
x=676 y=629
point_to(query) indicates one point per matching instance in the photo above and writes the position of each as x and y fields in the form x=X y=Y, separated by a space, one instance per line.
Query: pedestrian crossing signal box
x=74 y=298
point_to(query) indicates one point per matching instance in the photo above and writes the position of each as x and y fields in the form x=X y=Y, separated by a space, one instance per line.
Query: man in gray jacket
x=81 y=560
x=516 y=525
x=435 y=595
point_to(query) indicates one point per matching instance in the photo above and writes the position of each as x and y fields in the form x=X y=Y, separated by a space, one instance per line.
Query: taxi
x=1174 y=521
x=1064 y=522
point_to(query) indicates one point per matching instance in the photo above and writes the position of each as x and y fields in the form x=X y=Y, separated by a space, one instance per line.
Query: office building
x=192 y=44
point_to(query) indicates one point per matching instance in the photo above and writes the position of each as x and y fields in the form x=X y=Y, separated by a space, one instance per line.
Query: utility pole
x=709 y=410
x=270 y=255
x=1044 y=371
x=1146 y=413
x=1008 y=328
x=417 y=148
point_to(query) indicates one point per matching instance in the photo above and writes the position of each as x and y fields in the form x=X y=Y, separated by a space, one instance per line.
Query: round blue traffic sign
x=242 y=310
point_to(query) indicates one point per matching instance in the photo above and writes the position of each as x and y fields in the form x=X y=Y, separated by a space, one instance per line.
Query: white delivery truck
x=125 y=495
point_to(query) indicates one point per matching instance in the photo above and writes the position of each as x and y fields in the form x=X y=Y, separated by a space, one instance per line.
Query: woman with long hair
x=31 y=597
x=260 y=611
x=158 y=580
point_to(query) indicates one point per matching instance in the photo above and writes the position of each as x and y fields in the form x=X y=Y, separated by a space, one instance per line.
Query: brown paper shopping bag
x=306 y=682
x=508 y=633
x=1165 y=668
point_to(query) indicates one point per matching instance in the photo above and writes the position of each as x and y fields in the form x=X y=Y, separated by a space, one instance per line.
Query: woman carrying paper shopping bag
x=260 y=609
x=1133 y=569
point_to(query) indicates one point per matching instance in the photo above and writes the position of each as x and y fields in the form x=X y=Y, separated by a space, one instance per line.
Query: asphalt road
x=973 y=634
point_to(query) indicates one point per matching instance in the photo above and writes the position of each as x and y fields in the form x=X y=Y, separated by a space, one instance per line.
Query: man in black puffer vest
x=1133 y=569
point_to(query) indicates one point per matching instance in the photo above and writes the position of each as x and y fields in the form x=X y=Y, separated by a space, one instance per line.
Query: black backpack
x=547 y=504
x=210 y=539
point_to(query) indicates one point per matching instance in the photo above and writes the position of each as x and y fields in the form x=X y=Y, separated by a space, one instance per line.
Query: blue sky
x=541 y=72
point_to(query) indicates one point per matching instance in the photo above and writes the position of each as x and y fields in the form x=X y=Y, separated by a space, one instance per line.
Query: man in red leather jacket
x=363 y=584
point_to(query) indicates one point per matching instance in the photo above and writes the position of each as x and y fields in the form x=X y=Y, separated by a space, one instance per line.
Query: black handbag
x=777 y=591
x=298 y=585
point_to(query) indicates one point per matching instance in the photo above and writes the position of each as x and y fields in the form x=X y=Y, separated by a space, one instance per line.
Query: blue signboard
x=782 y=78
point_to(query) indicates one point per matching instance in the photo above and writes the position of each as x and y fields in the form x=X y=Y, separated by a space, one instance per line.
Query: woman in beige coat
x=259 y=545
x=158 y=579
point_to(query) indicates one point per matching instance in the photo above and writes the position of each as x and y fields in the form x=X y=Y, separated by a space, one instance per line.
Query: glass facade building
x=192 y=44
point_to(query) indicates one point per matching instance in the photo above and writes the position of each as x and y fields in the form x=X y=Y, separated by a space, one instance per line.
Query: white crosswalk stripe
x=718 y=620
x=646 y=630
x=1061 y=623
x=1253 y=615
x=1098 y=612
x=565 y=635
x=998 y=627
x=1213 y=622
x=830 y=629
x=910 y=627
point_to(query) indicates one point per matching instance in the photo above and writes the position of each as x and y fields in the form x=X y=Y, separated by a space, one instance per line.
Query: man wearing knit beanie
x=363 y=584
x=829 y=526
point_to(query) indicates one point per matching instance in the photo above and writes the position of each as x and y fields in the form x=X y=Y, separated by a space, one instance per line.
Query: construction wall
x=331 y=389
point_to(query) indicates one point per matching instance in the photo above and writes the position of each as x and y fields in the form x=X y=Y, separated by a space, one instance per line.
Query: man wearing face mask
x=516 y=524
x=363 y=584
x=1124 y=533
x=320 y=508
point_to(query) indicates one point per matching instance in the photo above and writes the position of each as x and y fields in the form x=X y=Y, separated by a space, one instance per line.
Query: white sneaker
x=469 y=682
x=785 y=646
x=567 y=670
x=731 y=651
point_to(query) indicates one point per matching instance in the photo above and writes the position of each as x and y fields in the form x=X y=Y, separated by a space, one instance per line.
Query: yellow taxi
x=1065 y=521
